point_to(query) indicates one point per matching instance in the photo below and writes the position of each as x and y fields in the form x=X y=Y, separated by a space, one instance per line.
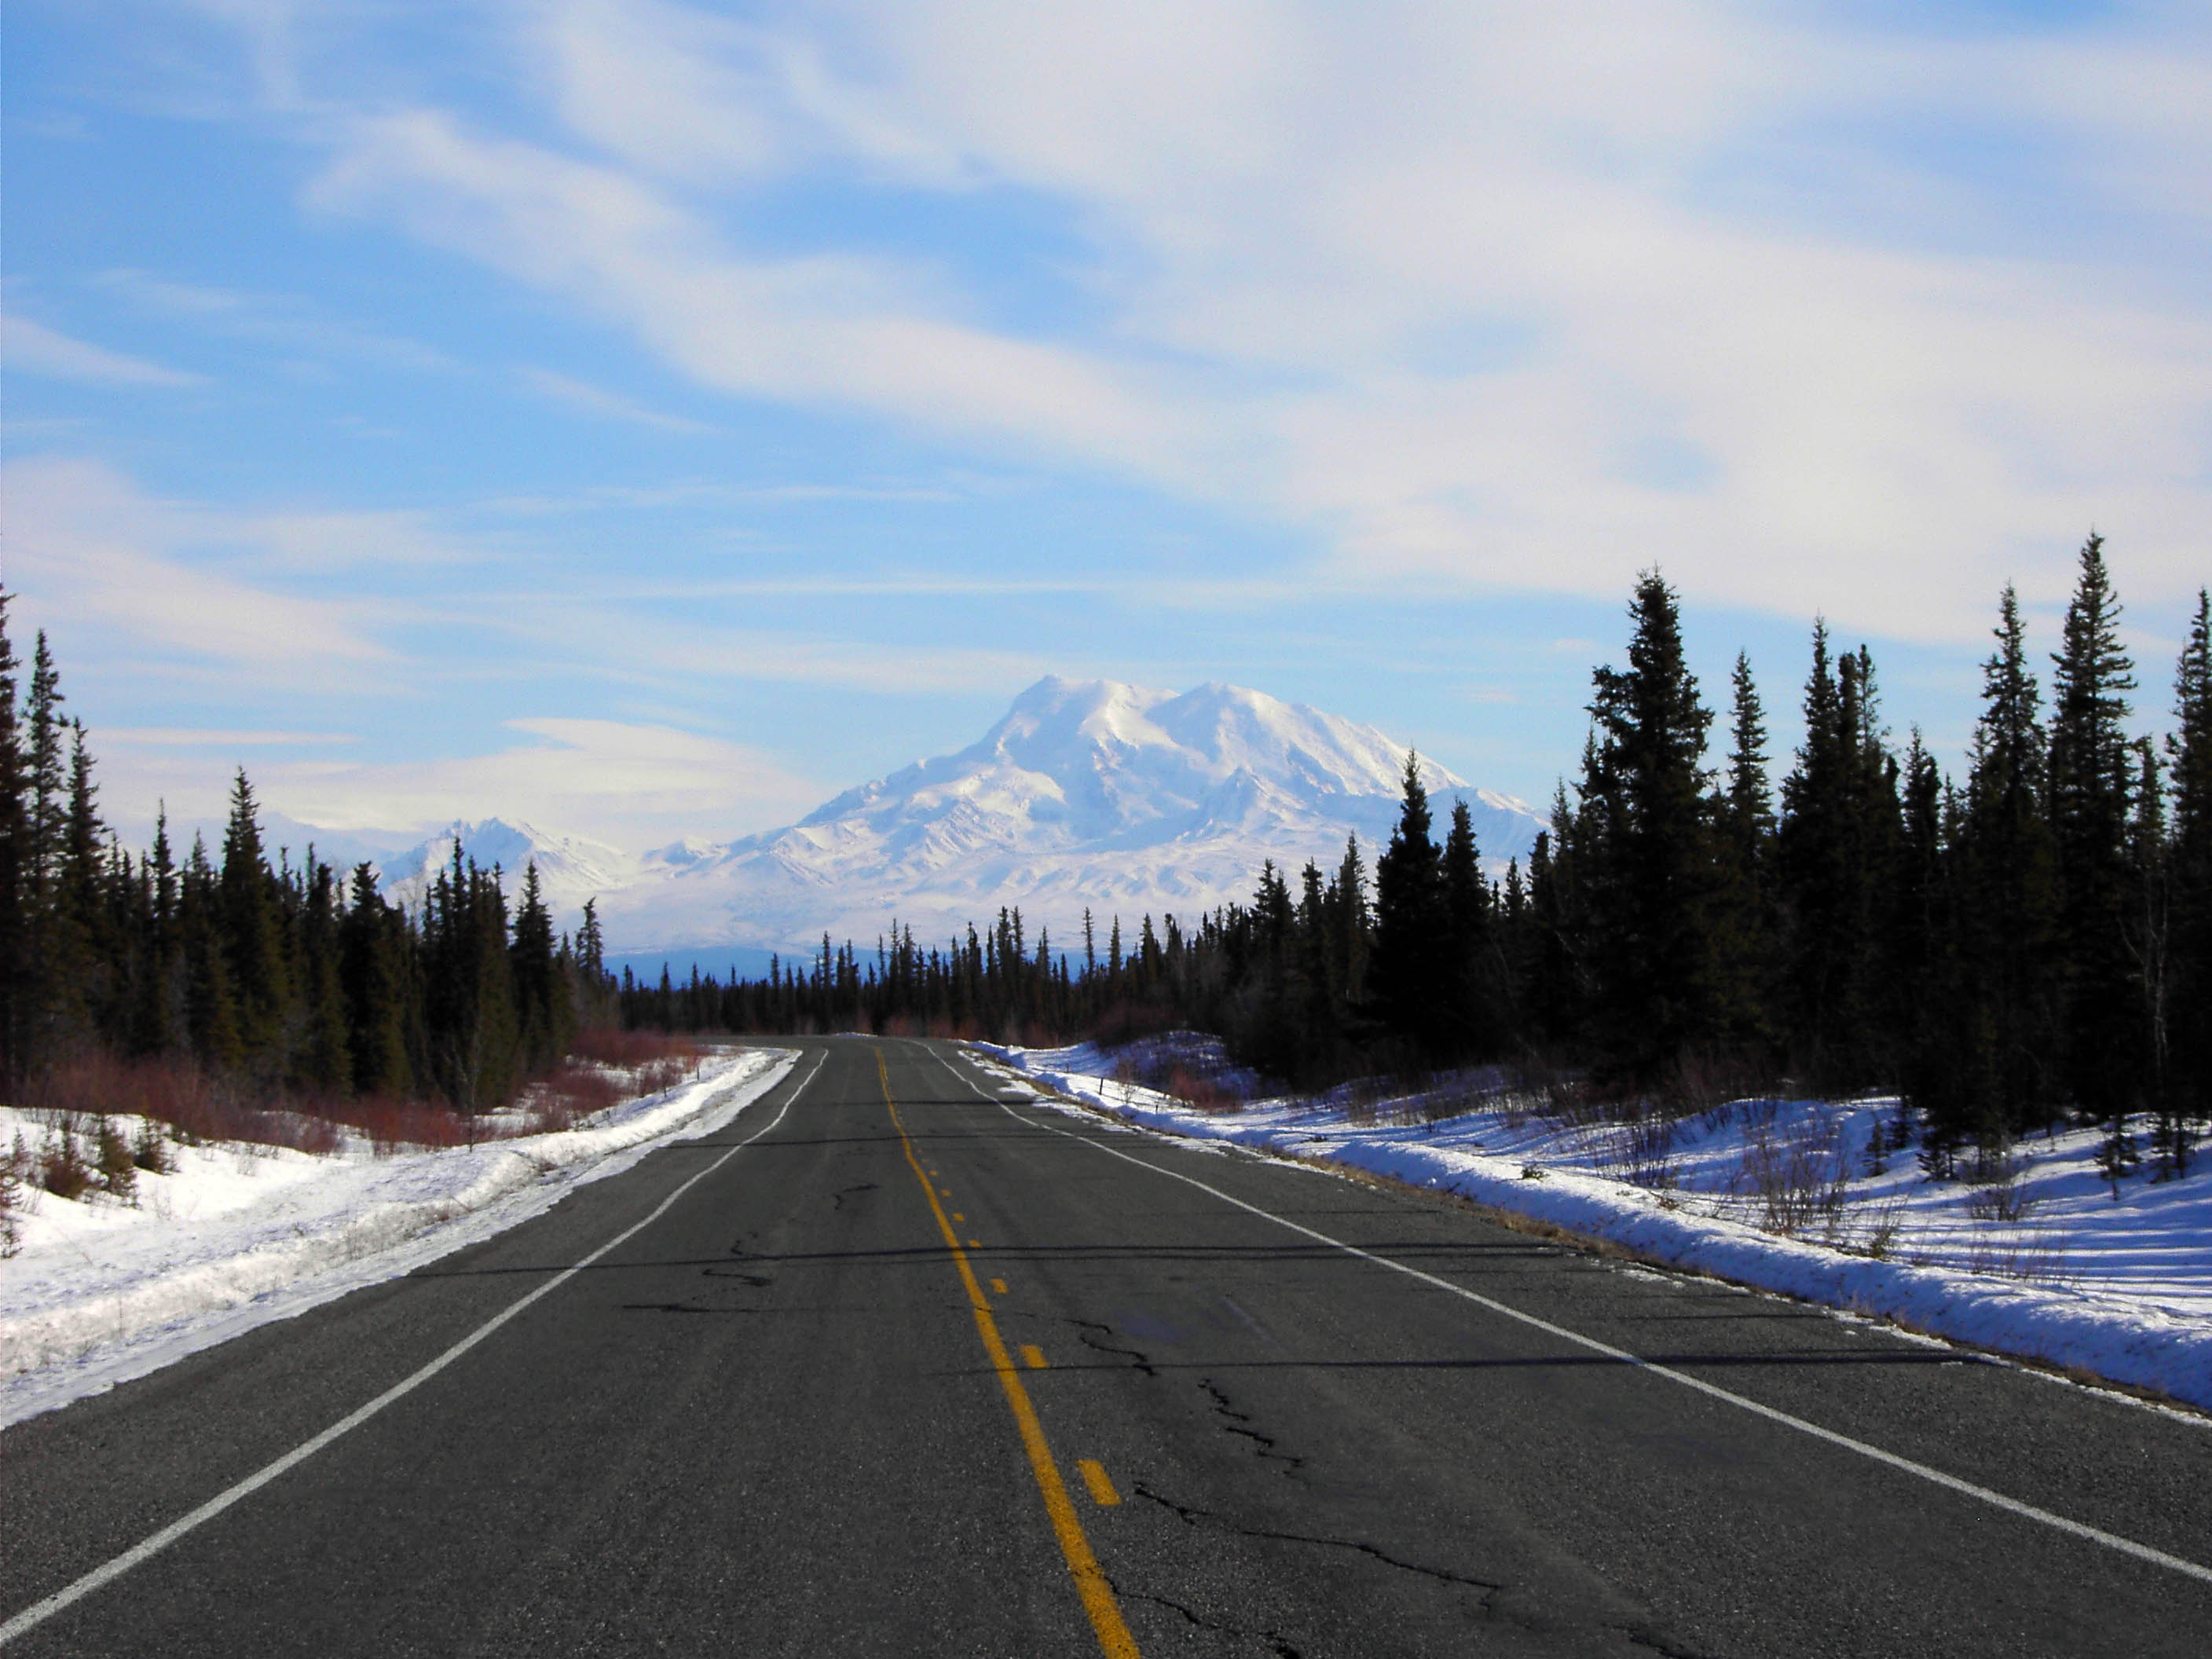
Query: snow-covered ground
x=238 y=1234
x=1786 y=1195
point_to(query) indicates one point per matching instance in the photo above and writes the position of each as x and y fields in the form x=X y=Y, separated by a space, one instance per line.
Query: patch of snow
x=238 y=1235
x=2037 y=1260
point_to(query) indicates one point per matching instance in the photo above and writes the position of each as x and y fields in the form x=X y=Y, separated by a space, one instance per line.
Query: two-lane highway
x=892 y=1366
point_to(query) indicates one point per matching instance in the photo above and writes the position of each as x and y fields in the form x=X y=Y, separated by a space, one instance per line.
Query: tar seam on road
x=2012 y=1505
x=1082 y=1565
x=39 y=1611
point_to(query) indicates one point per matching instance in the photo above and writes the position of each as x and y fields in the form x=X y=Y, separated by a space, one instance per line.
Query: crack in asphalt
x=1093 y=1335
x=1194 y=1516
x=1239 y=1423
x=837 y=1199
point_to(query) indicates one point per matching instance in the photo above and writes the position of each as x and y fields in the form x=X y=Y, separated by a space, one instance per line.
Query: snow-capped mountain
x=1088 y=793
x=570 y=868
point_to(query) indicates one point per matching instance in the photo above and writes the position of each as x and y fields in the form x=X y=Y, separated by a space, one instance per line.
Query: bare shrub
x=1642 y=1153
x=629 y=1050
x=2003 y=1197
x=1797 y=1180
x=1880 y=1241
x=2016 y=1253
x=1201 y=1092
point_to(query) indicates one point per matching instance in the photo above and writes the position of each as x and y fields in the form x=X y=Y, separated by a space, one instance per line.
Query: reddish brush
x=632 y=1048
x=1203 y=1093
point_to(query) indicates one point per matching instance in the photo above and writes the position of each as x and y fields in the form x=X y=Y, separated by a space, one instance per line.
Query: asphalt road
x=957 y=1377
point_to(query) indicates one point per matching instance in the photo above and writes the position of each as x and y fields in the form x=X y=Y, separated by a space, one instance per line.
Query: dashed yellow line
x=1106 y=1621
x=1033 y=1356
x=998 y=1287
x=975 y=1243
x=1094 y=1476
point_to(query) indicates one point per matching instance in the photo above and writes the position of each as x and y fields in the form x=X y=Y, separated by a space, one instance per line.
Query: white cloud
x=631 y=785
x=85 y=539
x=277 y=319
x=27 y=348
x=180 y=736
x=597 y=400
x=1482 y=295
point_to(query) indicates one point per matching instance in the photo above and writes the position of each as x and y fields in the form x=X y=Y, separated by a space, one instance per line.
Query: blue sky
x=649 y=418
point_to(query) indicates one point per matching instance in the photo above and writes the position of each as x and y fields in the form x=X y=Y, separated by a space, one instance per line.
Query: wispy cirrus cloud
x=622 y=781
x=85 y=539
x=29 y=348
x=286 y=321
x=1485 y=294
x=573 y=393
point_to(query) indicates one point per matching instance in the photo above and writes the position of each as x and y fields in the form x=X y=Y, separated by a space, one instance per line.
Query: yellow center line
x=1083 y=1566
x=1094 y=1476
x=1033 y=1356
x=998 y=1287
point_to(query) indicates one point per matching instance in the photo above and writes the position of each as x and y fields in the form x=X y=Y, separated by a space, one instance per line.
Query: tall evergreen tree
x=545 y=1014
x=322 y=1060
x=253 y=934
x=2007 y=903
x=1744 y=919
x=2091 y=774
x=1409 y=969
x=1470 y=979
x=1651 y=866
x=210 y=1003
x=1836 y=845
x=17 y=970
x=2189 y=873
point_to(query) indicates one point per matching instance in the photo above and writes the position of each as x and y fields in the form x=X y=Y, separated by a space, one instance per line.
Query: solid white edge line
x=39 y=1611
x=1952 y=1482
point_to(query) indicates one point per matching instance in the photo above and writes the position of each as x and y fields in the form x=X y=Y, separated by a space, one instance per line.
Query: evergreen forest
x=2024 y=946
x=2027 y=945
x=217 y=989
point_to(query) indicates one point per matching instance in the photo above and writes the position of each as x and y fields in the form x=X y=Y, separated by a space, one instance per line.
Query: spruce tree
x=2189 y=873
x=252 y=936
x=1651 y=866
x=2091 y=775
x=544 y=1015
x=15 y=958
x=1471 y=978
x=46 y=832
x=83 y=943
x=323 y=1059
x=210 y=1004
x=1409 y=969
x=1351 y=927
x=1744 y=921
x=2008 y=901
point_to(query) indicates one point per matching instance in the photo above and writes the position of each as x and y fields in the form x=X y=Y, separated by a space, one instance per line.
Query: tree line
x=2028 y=944
x=284 y=982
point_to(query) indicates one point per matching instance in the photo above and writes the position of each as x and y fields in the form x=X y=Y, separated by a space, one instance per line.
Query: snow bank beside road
x=2156 y=1333
x=237 y=1237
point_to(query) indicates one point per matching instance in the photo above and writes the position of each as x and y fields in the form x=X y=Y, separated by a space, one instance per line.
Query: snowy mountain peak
x=1091 y=794
x=570 y=868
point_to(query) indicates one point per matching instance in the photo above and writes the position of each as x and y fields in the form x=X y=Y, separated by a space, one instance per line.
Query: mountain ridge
x=1094 y=794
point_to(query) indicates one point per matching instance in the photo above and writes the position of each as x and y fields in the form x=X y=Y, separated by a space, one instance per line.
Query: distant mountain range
x=1088 y=793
